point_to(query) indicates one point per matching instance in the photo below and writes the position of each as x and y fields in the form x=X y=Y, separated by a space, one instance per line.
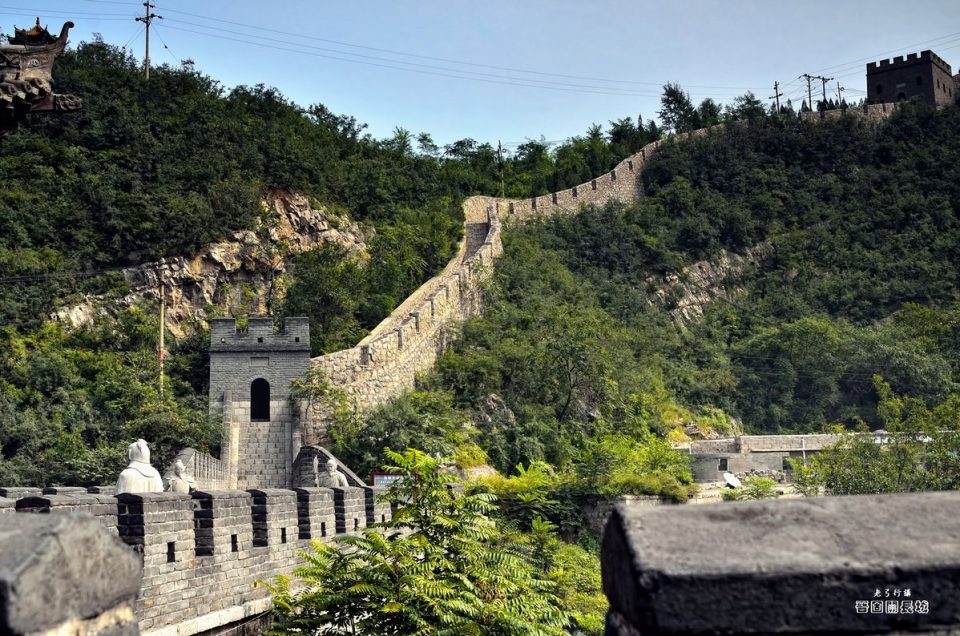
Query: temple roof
x=38 y=35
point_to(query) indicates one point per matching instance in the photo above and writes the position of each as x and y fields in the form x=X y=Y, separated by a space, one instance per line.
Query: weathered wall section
x=203 y=553
x=408 y=341
x=819 y=565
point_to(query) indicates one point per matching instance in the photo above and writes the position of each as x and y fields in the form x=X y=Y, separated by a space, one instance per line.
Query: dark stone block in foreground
x=60 y=568
x=791 y=566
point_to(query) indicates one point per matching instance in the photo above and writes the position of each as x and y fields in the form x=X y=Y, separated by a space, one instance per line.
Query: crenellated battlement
x=202 y=553
x=911 y=59
x=259 y=335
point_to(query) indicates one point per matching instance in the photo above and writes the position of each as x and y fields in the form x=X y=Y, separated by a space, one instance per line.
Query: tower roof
x=38 y=35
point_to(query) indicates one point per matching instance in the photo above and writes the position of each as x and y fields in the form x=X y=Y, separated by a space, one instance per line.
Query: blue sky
x=513 y=70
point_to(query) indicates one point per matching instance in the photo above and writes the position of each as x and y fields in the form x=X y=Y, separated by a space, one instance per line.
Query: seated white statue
x=139 y=476
x=180 y=481
x=332 y=478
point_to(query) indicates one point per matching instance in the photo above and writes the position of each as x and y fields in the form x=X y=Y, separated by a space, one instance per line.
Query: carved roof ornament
x=37 y=36
x=26 y=76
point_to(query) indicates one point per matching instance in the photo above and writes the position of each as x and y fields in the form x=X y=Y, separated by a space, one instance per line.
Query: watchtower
x=250 y=374
x=924 y=77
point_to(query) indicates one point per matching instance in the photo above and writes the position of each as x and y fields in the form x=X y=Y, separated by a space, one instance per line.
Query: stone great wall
x=408 y=342
x=202 y=553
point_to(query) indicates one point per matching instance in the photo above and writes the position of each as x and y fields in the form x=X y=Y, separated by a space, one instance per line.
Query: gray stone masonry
x=103 y=507
x=351 y=509
x=275 y=521
x=924 y=77
x=223 y=522
x=200 y=563
x=378 y=511
x=64 y=490
x=159 y=527
x=316 y=518
x=787 y=566
x=102 y=490
x=16 y=493
x=65 y=574
x=257 y=453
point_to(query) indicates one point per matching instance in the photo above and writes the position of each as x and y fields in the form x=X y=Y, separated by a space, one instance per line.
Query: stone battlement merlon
x=260 y=335
x=202 y=553
x=910 y=60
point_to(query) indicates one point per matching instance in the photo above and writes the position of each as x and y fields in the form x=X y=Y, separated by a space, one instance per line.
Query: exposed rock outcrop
x=241 y=274
x=689 y=291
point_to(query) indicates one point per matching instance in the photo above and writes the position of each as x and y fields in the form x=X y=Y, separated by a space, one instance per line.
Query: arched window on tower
x=259 y=400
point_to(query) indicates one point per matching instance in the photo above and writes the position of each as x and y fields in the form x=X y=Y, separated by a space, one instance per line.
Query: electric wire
x=132 y=37
x=160 y=37
x=412 y=64
x=453 y=75
x=442 y=59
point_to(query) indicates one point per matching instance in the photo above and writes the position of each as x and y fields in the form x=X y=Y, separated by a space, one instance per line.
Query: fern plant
x=439 y=567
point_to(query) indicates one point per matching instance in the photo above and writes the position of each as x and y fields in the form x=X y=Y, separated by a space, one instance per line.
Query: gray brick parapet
x=316 y=518
x=65 y=574
x=102 y=490
x=275 y=522
x=223 y=522
x=377 y=510
x=350 y=506
x=160 y=527
x=103 y=507
x=64 y=490
x=7 y=505
x=787 y=566
x=16 y=493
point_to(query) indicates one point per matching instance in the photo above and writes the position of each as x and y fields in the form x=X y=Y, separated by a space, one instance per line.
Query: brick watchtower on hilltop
x=926 y=78
x=250 y=375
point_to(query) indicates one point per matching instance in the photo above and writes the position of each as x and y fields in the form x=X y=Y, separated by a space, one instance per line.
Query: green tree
x=326 y=285
x=677 y=112
x=753 y=488
x=918 y=450
x=440 y=566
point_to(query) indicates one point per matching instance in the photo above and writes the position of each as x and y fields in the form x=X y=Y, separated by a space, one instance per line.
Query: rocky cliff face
x=240 y=275
x=687 y=292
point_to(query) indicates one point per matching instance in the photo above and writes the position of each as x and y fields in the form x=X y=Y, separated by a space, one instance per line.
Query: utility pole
x=500 y=165
x=840 y=90
x=147 y=19
x=163 y=323
x=808 y=77
x=776 y=95
x=824 y=80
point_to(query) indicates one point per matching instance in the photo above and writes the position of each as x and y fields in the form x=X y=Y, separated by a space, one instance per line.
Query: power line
x=887 y=52
x=169 y=50
x=454 y=75
x=31 y=14
x=441 y=59
x=607 y=89
x=34 y=10
x=131 y=38
x=31 y=278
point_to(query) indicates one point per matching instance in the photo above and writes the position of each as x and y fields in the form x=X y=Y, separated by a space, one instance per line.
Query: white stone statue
x=139 y=476
x=332 y=478
x=180 y=481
